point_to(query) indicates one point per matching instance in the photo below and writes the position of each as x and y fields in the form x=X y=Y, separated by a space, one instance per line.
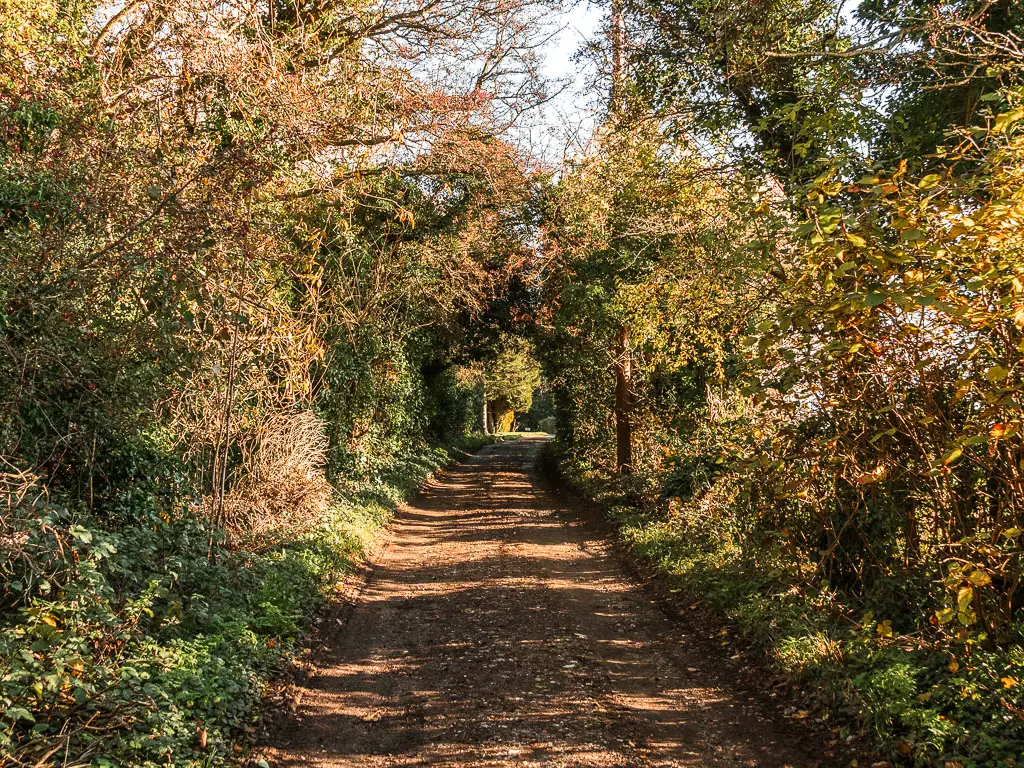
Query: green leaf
x=996 y=373
x=964 y=597
x=874 y=298
x=930 y=181
x=19 y=713
x=952 y=456
x=84 y=535
x=967 y=617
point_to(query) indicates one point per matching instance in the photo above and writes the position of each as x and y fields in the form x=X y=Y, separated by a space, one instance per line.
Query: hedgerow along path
x=497 y=628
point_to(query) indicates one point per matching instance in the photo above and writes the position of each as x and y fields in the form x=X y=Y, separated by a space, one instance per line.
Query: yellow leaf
x=964 y=596
x=996 y=374
x=979 y=578
x=1009 y=682
x=954 y=666
x=1006 y=119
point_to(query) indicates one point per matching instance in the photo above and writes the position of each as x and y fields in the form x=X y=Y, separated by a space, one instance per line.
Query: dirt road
x=497 y=629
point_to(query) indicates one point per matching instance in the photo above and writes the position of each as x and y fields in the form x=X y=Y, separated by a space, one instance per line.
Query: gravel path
x=498 y=629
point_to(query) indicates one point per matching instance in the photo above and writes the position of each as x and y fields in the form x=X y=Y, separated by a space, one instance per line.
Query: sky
x=564 y=125
x=568 y=119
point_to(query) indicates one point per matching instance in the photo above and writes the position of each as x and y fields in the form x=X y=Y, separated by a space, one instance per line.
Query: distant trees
x=510 y=381
x=505 y=380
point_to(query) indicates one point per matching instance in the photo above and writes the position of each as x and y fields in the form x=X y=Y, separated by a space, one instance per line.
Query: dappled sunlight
x=496 y=629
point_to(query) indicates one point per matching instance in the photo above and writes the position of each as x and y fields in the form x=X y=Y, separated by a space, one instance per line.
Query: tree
x=207 y=206
x=810 y=85
x=511 y=378
x=639 y=235
x=506 y=378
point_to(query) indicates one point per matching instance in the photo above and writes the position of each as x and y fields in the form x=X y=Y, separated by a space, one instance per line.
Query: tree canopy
x=259 y=257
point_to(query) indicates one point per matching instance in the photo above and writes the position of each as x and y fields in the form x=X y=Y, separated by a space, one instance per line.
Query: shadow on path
x=496 y=630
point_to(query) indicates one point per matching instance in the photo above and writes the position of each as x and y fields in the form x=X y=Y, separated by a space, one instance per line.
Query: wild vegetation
x=800 y=238
x=265 y=265
x=242 y=249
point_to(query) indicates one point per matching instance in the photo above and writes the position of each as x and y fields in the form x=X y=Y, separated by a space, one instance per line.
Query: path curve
x=497 y=629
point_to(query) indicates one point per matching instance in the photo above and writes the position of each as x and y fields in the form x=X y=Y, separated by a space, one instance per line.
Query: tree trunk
x=623 y=403
x=483 y=398
x=618 y=41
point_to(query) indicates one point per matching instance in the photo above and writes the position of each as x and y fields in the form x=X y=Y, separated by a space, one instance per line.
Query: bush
x=920 y=697
x=150 y=645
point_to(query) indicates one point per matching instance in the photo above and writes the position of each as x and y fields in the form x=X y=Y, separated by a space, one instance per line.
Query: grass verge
x=150 y=645
x=870 y=675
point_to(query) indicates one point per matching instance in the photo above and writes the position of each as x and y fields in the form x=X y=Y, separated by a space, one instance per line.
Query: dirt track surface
x=497 y=629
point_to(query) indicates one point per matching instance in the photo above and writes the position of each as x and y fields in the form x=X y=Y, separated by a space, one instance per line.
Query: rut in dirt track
x=497 y=629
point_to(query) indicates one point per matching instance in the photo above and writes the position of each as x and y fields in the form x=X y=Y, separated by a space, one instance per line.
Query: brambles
x=280 y=486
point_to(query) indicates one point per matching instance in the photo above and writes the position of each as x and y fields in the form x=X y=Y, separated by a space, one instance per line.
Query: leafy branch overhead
x=266 y=264
x=241 y=246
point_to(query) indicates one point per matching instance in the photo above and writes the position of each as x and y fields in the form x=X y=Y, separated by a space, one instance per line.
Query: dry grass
x=279 y=486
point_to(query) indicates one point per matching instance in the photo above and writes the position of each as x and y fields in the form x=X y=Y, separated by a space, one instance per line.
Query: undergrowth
x=865 y=667
x=151 y=645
